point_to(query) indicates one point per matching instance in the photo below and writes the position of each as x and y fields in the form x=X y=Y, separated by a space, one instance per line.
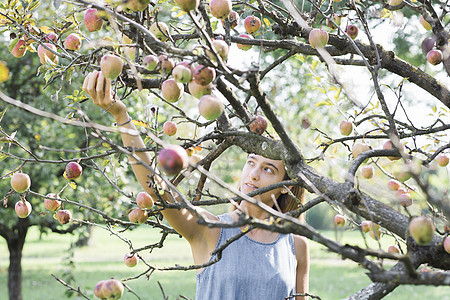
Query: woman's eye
x=250 y=163
x=269 y=170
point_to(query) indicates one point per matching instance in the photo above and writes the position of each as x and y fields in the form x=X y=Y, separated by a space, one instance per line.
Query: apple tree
x=352 y=95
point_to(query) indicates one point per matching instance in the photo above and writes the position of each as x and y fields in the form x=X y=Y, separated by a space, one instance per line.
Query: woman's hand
x=99 y=88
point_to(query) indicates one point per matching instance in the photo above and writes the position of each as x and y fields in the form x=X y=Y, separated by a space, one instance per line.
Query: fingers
x=100 y=89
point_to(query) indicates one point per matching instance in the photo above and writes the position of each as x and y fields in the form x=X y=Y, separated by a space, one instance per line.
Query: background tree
x=298 y=78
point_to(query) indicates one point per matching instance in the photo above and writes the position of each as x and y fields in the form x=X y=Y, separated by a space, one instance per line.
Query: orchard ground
x=330 y=276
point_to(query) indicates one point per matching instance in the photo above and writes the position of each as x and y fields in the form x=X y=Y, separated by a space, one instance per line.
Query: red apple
x=367 y=172
x=172 y=159
x=138 y=216
x=51 y=37
x=428 y=44
x=339 y=220
x=346 y=127
x=64 y=216
x=375 y=233
x=318 y=38
x=221 y=48
x=113 y=289
x=19 y=48
x=166 y=64
x=388 y=146
x=220 y=8
x=182 y=73
x=23 y=208
x=137 y=5
x=359 y=148
x=172 y=90
x=210 y=107
x=393 y=184
x=405 y=199
x=434 y=57
x=98 y=290
x=198 y=90
x=252 y=24
x=92 y=21
x=43 y=53
x=446 y=244
x=394 y=249
x=400 y=191
x=144 y=200
x=187 y=5
x=111 y=66
x=204 y=75
x=20 y=182
x=258 y=125
x=424 y=23
x=233 y=19
x=51 y=204
x=72 y=42
x=73 y=170
x=130 y=260
x=352 y=31
x=170 y=128
x=243 y=46
x=367 y=226
x=160 y=30
x=151 y=62
x=422 y=230
x=442 y=160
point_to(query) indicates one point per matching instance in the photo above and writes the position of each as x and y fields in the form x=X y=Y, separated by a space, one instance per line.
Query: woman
x=261 y=264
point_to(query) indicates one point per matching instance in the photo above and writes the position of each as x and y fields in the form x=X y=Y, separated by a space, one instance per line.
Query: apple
x=220 y=8
x=318 y=38
x=394 y=2
x=375 y=233
x=130 y=260
x=20 y=182
x=359 y=148
x=402 y=174
x=182 y=74
x=393 y=184
x=258 y=125
x=64 y=216
x=144 y=200
x=428 y=44
x=51 y=204
x=111 y=66
x=98 y=290
x=51 y=37
x=422 y=230
x=394 y=249
x=204 y=75
x=138 y=216
x=19 y=48
x=388 y=146
x=166 y=64
x=352 y=31
x=187 y=5
x=151 y=62
x=367 y=226
x=112 y=289
x=210 y=107
x=252 y=24
x=170 y=128
x=339 y=220
x=43 y=53
x=172 y=159
x=137 y=5
x=346 y=127
x=446 y=244
x=424 y=23
x=221 y=48
x=442 y=160
x=405 y=199
x=160 y=30
x=336 y=19
x=243 y=46
x=434 y=57
x=72 y=42
x=172 y=90
x=23 y=208
x=367 y=172
x=73 y=170
x=400 y=191
x=233 y=19
x=92 y=21
x=198 y=90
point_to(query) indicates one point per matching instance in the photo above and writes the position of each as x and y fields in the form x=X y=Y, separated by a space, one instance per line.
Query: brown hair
x=288 y=203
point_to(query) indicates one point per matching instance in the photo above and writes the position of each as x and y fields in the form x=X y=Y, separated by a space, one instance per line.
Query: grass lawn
x=330 y=277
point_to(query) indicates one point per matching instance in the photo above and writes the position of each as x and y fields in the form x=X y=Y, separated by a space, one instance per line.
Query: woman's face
x=260 y=172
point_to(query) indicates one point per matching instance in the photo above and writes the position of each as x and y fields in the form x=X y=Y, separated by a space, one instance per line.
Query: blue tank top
x=249 y=269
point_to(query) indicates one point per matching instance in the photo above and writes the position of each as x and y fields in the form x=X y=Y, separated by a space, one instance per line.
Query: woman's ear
x=285 y=190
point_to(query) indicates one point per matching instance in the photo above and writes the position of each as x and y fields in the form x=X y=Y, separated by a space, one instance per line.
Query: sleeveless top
x=249 y=269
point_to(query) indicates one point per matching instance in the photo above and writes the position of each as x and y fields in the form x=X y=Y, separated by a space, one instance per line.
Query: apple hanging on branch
x=20 y=182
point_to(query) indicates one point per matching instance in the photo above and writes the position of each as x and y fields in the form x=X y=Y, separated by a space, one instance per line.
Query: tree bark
x=15 y=242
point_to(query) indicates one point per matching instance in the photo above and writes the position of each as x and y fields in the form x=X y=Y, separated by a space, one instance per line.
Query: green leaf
x=3 y=156
x=13 y=44
x=323 y=103
x=2 y=113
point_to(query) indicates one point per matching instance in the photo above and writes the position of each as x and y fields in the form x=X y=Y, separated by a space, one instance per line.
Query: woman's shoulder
x=301 y=246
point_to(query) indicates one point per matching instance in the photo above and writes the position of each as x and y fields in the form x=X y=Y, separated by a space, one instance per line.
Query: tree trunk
x=15 y=241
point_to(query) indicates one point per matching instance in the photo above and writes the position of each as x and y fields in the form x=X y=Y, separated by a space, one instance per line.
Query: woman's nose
x=254 y=173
